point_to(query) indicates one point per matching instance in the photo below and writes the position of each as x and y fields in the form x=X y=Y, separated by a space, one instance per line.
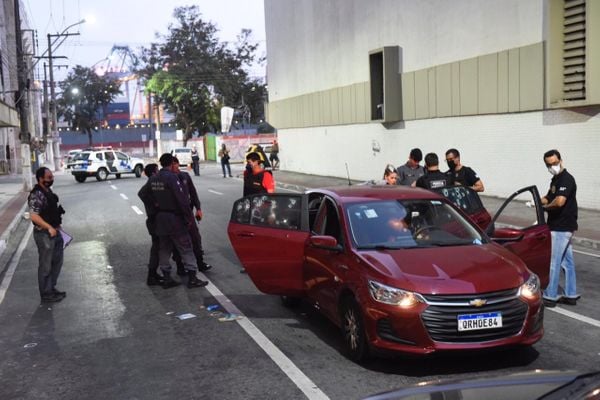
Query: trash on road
x=186 y=316
x=30 y=345
x=230 y=317
x=170 y=312
x=212 y=307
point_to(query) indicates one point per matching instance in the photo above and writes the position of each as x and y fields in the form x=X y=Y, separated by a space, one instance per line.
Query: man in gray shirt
x=411 y=171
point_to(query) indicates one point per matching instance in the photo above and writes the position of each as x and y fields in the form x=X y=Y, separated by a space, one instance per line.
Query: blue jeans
x=561 y=258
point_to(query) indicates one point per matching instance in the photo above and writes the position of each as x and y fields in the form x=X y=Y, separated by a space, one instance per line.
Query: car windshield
x=395 y=224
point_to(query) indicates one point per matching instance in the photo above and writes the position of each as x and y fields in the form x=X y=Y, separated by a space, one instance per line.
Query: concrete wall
x=506 y=150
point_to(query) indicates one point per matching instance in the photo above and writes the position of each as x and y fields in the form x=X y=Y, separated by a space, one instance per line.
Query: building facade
x=358 y=84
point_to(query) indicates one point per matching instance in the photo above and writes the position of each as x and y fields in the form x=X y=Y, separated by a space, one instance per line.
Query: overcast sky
x=133 y=23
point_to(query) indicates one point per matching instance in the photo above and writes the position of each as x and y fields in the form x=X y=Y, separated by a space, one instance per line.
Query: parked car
x=101 y=162
x=183 y=154
x=397 y=269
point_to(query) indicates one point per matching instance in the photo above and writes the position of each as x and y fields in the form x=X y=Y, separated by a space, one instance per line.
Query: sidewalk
x=12 y=205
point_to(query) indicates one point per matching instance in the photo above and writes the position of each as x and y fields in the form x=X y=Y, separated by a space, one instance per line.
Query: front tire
x=353 y=331
x=138 y=171
x=80 y=178
x=101 y=174
x=118 y=176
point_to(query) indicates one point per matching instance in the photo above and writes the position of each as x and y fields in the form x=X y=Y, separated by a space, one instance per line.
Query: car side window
x=280 y=212
x=109 y=156
x=328 y=221
x=122 y=156
x=99 y=156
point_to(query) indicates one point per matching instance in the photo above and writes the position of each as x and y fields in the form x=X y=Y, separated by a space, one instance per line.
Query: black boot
x=168 y=281
x=193 y=281
x=181 y=270
x=154 y=279
x=203 y=267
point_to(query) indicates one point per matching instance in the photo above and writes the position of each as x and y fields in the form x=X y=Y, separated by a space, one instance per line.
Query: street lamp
x=55 y=141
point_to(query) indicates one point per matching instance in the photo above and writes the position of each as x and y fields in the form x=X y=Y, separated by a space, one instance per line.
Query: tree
x=84 y=96
x=194 y=74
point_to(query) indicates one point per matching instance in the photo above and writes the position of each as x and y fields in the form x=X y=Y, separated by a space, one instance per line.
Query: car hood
x=448 y=270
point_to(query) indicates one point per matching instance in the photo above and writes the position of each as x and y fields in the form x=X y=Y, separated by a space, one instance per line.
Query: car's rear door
x=522 y=213
x=268 y=234
x=124 y=164
x=469 y=202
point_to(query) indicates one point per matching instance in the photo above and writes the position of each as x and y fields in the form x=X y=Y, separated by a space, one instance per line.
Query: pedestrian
x=274 y=156
x=46 y=216
x=145 y=194
x=256 y=178
x=194 y=201
x=173 y=220
x=390 y=176
x=460 y=174
x=224 y=155
x=195 y=161
x=561 y=205
x=412 y=170
x=434 y=178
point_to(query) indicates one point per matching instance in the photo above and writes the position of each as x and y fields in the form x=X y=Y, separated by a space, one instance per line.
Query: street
x=113 y=337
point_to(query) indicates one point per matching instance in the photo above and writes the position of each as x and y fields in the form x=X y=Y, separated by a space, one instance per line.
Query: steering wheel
x=426 y=228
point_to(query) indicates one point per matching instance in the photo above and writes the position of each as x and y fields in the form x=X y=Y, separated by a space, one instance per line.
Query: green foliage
x=193 y=74
x=84 y=93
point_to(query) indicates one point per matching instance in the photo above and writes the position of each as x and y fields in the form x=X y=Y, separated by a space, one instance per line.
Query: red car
x=398 y=269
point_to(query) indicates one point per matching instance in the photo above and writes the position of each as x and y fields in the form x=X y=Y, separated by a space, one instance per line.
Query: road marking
x=123 y=196
x=586 y=253
x=13 y=264
x=137 y=210
x=114 y=187
x=302 y=381
x=576 y=316
x=215 y=192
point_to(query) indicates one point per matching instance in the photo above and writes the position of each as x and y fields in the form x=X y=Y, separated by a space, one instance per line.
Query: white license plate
x=472 y=322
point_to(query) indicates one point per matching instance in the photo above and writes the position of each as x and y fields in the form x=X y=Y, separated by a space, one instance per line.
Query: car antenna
x=348 y=174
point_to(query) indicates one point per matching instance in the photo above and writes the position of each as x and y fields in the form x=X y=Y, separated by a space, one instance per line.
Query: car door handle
x=246 y=234
x=540 y=237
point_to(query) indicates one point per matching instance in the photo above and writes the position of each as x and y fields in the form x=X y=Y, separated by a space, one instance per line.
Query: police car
x=100 y=162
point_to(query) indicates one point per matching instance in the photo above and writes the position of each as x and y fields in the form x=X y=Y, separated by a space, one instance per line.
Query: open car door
x=268 y=233
x=520 y=226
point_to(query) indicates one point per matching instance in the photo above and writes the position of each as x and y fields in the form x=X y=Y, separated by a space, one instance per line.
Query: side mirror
x=507 y=235
x=325 y=243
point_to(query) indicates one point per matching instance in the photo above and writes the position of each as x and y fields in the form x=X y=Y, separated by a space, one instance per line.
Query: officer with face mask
x=561 y=205
x=461 y=174
x=172 y=223
x=46 y=216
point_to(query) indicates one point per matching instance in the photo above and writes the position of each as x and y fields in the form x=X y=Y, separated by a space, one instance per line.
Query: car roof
x=356 y=193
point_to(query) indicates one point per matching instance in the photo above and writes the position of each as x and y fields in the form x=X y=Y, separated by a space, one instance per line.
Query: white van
x=183 y=154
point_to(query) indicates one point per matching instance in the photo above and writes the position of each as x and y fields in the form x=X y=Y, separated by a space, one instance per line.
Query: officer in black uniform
x=173 y=219
x=461 y=174
x=46 y=216
x=434 y=178
x=145 y=194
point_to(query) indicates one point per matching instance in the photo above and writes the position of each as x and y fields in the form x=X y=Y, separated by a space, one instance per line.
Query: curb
x=11 y=228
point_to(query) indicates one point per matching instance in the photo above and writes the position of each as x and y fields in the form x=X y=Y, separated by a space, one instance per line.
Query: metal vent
x=574 y=50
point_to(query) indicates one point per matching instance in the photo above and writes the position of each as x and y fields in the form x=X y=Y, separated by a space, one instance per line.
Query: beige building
x=362 y=82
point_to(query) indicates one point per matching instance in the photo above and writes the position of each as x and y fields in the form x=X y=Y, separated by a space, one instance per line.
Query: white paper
x=66 y=238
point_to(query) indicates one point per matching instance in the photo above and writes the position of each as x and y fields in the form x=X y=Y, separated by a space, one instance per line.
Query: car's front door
x=124 y=164
x=522 y=214
x=111 y=161
x=268 y=232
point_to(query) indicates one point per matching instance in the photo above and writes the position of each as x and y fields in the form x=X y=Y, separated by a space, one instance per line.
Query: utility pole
x=23 y=103
x=150 y=133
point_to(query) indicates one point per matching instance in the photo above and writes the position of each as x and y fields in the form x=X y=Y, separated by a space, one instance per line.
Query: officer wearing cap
x=256 y=179
x=173 y=218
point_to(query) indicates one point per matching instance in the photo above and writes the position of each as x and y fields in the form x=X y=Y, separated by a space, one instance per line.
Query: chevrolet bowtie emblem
x=478 y=302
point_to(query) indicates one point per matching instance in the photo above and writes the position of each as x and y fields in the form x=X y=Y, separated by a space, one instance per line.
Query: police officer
x=461 y=174
x=145 y=194
x=173 y=219
x=256 y=179
x=190 y=190
x=434 y=178
x=46 y=216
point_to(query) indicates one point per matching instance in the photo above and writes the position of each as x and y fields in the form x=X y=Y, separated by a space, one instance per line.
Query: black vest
x=163 y=195
x=253 y=183
x=51 y=213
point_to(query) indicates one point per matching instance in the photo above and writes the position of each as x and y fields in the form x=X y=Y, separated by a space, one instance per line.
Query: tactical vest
x=253 y=183
x=51 y=213
x=163 y=196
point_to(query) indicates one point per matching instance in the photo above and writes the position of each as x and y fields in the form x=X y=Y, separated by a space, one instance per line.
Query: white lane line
x=114 y=187
x=137 y=210
x=13 y=264
x=215 y=192
x=576 y=316
x=302 y=381
x=586 y=253
x=123 y=196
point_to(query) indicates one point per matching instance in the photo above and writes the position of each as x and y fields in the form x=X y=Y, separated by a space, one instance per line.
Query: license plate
x=472 y=322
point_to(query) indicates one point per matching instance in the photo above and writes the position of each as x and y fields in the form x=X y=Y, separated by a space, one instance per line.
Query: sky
x=133 y=23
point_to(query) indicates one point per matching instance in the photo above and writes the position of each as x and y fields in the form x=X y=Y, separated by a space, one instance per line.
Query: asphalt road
x=113 y=337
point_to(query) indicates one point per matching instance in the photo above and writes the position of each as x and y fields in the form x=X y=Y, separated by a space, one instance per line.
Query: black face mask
x=451 y=164
x=47 y=184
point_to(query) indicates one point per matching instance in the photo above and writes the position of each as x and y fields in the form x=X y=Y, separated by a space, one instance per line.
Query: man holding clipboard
x=46 y=216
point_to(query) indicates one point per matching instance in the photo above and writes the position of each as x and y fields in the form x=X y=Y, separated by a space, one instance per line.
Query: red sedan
x=398 y=269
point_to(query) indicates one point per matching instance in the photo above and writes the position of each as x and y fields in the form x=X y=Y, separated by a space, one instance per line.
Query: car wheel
x=118 y=176
x=138 y=171
x=80 y=178
x=353 y=331
x=290 y=301
x=101 y=174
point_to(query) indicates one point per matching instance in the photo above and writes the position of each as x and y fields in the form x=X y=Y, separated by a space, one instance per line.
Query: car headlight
x=394 y=296
x=530 y=289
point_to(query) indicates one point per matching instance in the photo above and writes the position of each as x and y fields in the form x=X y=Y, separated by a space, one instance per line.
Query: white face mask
x=554 y=169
